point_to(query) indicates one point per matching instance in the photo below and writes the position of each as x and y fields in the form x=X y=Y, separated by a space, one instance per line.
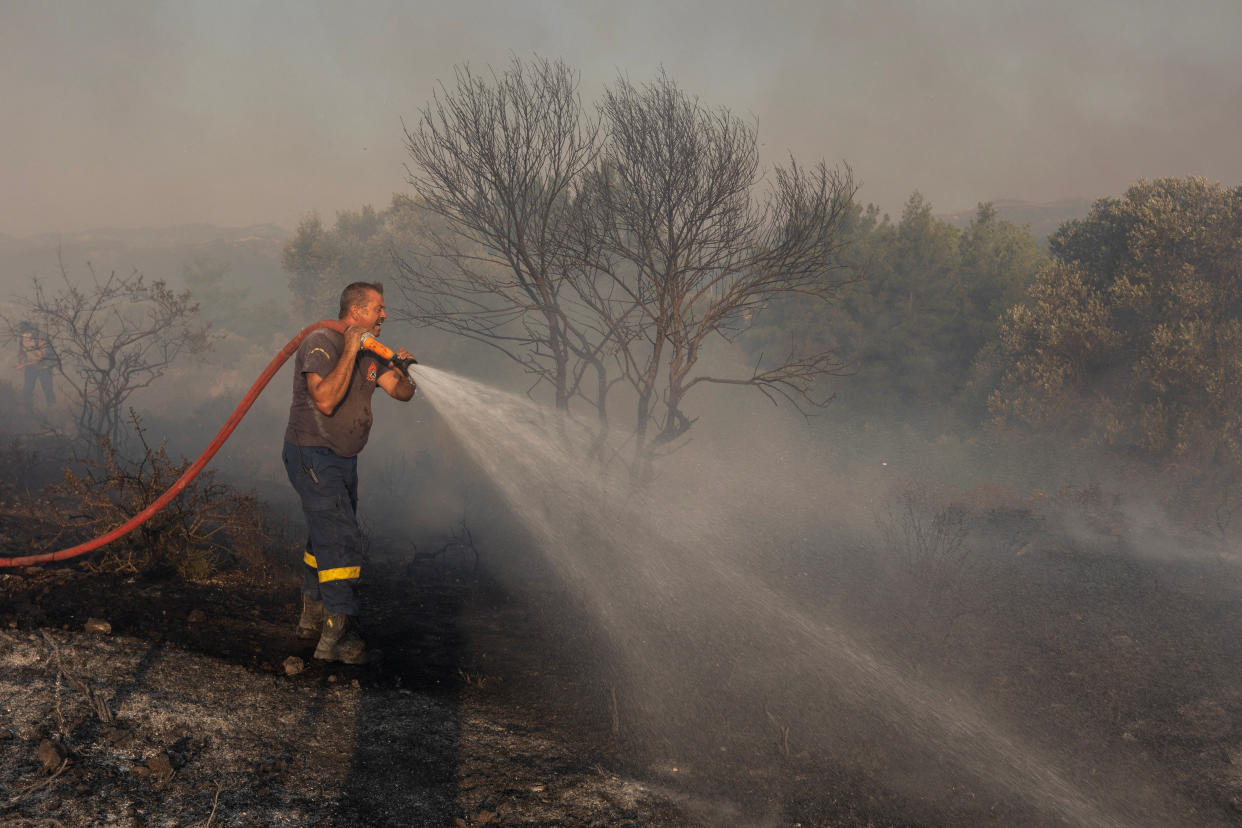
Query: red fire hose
x=183 y=481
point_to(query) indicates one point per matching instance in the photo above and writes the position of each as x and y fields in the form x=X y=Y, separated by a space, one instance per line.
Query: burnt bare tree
x=611 y=249
x=502 y=160
x=695 y=254
x=114 y=337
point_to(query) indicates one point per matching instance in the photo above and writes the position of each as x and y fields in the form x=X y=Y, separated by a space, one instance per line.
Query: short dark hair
x=356 y=294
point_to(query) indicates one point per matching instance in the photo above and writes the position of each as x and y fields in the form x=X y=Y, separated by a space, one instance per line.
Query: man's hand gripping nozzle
x=384 y=352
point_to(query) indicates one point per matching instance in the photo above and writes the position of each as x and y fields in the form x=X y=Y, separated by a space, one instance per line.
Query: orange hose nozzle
x=374 y=345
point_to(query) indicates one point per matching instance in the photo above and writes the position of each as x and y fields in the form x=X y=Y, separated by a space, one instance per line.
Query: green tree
x=925 y=312
x=998 y=260
x=1132 y=338
x=792 y=322
x=307 y=258
x=320 y=261
x=917 y=304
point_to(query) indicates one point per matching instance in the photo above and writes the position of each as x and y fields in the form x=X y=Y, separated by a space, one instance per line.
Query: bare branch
x=115 y=338
x=606 y=251
x=500 y=160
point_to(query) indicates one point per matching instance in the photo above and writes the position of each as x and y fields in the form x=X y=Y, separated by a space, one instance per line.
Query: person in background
x=37 y=358
x=329 y=422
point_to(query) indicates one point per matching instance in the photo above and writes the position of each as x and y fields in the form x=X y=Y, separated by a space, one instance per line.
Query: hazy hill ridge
x=1043 y=217
x=175 y=236
x=251 y=255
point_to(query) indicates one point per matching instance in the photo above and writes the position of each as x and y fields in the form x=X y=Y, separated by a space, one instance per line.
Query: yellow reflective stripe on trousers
x=341 y=573
x=309 y=560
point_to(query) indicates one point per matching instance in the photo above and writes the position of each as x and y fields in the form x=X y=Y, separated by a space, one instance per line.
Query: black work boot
x=311 y=622
x=339 y=641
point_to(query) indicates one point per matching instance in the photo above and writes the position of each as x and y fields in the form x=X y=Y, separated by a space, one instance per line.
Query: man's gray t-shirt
x=346 y=429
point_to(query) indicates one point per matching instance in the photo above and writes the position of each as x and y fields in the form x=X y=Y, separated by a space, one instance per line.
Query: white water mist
x=666 y=574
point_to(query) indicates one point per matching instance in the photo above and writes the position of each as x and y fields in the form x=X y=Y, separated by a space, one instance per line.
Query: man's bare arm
x=36 y=357
x=327 y=392
x=398 y=385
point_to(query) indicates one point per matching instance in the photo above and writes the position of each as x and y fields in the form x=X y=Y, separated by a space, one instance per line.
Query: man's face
x=371 y=314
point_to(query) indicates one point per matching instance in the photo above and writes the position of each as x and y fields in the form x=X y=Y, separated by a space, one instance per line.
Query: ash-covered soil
x=194 y=704
x=189 y=711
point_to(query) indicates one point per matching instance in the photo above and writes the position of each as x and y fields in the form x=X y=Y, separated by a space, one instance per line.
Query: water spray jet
x=661 y=584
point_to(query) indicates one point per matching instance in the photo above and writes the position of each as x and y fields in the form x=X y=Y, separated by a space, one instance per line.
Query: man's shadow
x=407 y=736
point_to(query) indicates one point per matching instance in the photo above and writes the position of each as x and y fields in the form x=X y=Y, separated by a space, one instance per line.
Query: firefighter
x=37 y=359
x=329 y=422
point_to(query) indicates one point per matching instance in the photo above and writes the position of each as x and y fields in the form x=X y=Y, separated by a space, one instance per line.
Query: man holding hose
x=329 y=422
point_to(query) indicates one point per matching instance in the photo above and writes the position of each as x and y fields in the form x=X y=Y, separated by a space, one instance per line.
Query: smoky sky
x=130 y=114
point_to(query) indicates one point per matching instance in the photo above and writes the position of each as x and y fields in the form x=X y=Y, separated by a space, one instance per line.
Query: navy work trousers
x=43 y=376
x=328 y=486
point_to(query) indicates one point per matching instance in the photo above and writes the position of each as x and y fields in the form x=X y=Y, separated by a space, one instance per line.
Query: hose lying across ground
x=190 y=473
